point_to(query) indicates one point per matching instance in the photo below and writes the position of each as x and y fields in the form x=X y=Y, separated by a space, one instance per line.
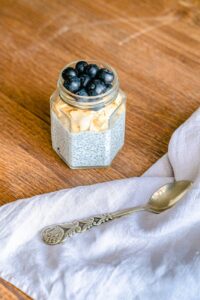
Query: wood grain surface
x=155 y=47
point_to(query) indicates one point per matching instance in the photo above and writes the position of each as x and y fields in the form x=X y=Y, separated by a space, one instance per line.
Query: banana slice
x=82 y=120
x=110 y=109
x=85 y=122
x=75 y=127
x=118 y=100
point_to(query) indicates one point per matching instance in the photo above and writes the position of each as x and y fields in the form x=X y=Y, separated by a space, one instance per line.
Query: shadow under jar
x=88 y=131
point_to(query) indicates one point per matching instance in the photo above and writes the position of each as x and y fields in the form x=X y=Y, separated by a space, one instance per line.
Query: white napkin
x=143 y=256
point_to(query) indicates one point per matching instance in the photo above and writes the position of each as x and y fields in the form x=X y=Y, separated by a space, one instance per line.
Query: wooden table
x=155 y=47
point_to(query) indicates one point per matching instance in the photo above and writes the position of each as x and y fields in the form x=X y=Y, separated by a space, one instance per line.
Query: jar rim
x=92 y=100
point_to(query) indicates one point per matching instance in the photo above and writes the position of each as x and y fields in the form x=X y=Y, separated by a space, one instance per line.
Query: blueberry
x=80 y=66
x=68 y=72
x=105 y=75
x=91 y=70
x=96 y=87
x=84 y=80
x=108 y=87
x=82 y=92
x=72 y=84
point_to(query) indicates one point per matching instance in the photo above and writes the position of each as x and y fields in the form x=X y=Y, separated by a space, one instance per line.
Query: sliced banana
x=86 y=120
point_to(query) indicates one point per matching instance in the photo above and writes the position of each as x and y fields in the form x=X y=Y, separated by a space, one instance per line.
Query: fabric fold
x=143 y=256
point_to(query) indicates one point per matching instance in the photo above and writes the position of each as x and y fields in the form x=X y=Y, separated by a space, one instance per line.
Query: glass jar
x=88 y=131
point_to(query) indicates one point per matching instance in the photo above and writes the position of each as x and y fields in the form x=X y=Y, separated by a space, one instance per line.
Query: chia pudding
x=88 y=124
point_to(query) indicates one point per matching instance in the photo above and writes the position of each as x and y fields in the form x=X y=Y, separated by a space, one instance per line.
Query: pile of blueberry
x=87 y=79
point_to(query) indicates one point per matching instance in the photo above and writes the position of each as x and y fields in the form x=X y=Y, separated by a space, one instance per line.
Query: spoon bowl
x=168 y=195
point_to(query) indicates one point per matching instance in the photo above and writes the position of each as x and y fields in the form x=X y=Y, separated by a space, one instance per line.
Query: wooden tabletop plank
x=155 y=48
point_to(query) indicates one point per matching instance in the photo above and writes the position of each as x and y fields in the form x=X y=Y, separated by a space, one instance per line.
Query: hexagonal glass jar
x=87 y=131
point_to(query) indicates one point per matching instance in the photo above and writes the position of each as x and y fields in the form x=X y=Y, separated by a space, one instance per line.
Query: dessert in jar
x=88 y=115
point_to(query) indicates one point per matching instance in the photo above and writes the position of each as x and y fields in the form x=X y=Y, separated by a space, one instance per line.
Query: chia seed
x=87 y=148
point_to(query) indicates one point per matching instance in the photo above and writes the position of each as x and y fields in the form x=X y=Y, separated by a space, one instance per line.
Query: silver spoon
x=164 y=198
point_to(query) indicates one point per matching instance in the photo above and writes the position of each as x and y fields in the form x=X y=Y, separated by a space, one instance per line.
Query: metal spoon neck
x=127 y=211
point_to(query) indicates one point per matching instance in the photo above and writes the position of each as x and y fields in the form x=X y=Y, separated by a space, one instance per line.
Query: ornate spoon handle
x=56 y=234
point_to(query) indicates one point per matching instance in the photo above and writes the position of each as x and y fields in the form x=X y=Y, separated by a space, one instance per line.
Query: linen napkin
x=143 y=256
